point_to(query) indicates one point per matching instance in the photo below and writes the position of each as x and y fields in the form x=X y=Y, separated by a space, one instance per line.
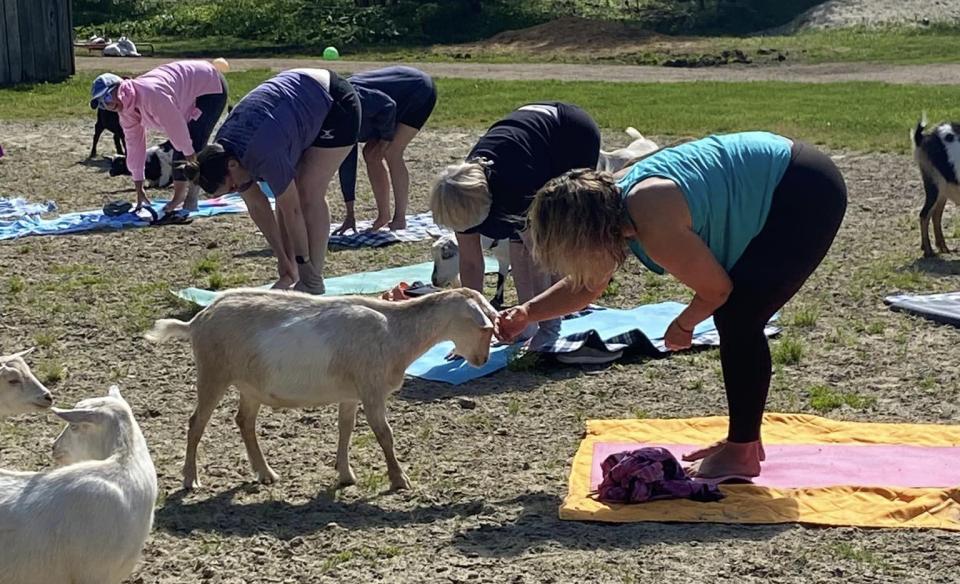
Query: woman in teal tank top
x=741 y=219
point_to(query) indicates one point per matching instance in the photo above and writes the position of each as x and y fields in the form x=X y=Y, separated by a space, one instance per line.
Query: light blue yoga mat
x=361 y=283
x=625 y=328
x=95 y=219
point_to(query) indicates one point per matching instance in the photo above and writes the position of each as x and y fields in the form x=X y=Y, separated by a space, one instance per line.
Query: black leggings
x=211 y=108
x=806 y=212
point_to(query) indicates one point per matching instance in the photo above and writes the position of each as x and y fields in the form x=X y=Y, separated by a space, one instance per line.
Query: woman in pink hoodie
x=183 y=99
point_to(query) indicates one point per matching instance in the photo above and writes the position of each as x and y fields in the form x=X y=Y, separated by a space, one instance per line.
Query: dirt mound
x=570 y=34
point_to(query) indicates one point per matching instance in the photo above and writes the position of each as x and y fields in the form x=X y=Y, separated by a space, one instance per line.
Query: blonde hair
x=461 y=197
x=576 y=226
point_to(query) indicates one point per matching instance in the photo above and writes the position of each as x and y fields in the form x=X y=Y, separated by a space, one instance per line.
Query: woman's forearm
x=561 y=299
x=696 y=312
x=262 y=215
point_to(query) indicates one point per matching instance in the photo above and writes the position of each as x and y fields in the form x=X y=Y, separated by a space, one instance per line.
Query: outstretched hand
x=511 y=322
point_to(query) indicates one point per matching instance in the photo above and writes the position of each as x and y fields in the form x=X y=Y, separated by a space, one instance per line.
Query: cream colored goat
x=292 y=350
x=85 y=522
x=20 y=390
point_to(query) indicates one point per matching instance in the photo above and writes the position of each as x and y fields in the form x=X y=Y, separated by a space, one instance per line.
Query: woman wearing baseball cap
x=183 y=99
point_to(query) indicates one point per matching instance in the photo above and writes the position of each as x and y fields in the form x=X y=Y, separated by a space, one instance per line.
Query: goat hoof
x=191 y=484
x=348 y=478
x=268 y=478
x=928 y=253
x=401 y=483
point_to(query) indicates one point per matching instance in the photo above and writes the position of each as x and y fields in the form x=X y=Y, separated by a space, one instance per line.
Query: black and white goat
x=938 y=155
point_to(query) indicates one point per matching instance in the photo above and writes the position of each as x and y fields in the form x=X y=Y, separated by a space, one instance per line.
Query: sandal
x=173 y=218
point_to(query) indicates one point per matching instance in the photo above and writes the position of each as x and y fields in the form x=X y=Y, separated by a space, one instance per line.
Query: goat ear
x=21 y=355
x=480 y=317
x=79 y=415
x=114 y=391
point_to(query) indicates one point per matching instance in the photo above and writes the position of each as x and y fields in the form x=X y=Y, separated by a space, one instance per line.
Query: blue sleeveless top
x=728 y=182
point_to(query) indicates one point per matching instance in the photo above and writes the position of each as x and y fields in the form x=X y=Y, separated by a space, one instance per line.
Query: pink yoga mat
x=795 y=466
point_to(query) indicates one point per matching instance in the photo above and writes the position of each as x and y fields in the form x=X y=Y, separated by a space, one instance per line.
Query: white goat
x=292 y=350
x=446 y=263
x=86 y=522
x=616 y=160
x=20 y=391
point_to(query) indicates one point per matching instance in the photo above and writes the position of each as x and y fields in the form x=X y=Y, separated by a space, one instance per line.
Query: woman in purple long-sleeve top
x=291 y=132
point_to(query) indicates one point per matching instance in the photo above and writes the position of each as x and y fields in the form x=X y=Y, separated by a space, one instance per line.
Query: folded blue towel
x=17 y=207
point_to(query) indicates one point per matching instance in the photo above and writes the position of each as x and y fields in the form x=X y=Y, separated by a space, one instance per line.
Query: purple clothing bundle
x=648 y=474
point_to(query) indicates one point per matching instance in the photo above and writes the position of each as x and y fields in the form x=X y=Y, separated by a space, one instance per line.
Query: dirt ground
x=940 y=74
x=489 y=460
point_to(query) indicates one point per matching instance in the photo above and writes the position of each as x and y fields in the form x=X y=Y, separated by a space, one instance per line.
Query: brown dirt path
x=940 y=74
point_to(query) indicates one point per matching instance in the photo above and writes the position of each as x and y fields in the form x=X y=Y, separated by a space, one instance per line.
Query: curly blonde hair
x=576 y=226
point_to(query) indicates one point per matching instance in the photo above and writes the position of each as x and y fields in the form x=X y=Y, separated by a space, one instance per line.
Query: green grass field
x=858 y=116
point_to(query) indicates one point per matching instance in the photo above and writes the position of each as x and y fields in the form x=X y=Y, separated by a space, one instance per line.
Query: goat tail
x=168 y=328
x=918 y=130
x=634 y=133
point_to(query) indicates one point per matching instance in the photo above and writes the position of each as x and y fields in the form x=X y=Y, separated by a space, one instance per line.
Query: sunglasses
x=106 y=98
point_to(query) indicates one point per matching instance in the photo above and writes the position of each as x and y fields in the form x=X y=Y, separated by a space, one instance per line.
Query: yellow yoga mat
x=818 y=471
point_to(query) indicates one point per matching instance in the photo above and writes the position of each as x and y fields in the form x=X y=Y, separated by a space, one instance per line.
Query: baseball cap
x=101 y=86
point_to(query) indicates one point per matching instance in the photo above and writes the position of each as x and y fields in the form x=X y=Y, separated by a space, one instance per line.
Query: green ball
x=331 y=53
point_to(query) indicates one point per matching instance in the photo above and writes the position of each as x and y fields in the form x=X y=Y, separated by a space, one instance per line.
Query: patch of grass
x=788 y=351
x=16 y=285
x=847 y=551
x=833 y=114
x=479 y=420
x=825 y=399
x=612 y=289
x=524 y=361
x=206 y=265
x=513 y=406
x=805 y=317
x=641 y=414
x=875 y=328
x=216 y=281
x=367 y=553
x=44 y=339
x=51 y=372
x=363 y=439
x=373 y=482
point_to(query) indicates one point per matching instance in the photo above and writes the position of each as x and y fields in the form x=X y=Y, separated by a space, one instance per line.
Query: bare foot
x=725 y=459
x=378 y=224
x=398 y=224
x=283 y=283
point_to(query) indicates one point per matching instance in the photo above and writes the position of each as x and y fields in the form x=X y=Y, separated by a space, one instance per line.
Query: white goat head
x=20 y=390
x=617 y=159
x=97 y=428
x=472 y=327
x=446 y=262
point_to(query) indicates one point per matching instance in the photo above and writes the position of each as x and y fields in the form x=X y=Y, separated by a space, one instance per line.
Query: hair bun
x=191 y=169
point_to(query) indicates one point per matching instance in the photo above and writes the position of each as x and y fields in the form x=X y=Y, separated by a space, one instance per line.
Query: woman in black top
x=490 y=192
